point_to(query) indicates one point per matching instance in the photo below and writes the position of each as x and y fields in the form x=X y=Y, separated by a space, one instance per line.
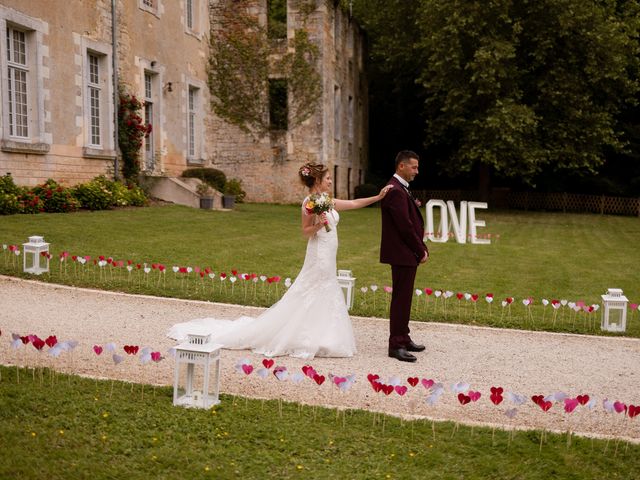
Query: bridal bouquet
x=318 y=204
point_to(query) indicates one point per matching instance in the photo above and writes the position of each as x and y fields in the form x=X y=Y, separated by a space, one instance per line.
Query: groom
x=403 y=248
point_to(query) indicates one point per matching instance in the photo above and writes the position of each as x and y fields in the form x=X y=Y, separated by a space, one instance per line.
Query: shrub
x=214 y=177
x=56 y=198
x=30 y=202
x=9 y=203
x=234 y=187
x=7 y=185
x=94 y=195
x=136 y=196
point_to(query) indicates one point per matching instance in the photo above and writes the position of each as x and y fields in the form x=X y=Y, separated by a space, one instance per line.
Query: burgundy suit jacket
x=402 y=228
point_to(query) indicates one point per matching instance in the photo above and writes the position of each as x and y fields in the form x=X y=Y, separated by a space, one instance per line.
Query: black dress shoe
x=401 y=354
x=413 y=347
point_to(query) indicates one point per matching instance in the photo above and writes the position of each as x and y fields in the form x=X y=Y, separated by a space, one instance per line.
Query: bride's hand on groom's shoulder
x=384 y=191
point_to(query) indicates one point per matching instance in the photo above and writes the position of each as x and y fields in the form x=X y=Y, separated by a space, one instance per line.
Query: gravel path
x=527 y=363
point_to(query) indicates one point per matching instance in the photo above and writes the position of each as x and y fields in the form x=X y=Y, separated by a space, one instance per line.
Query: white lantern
x=197 y=374
x=614 y=311
x=33 y=254
x=347 y=283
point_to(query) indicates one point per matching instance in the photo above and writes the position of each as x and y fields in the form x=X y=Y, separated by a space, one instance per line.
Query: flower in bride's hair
x=305 y=172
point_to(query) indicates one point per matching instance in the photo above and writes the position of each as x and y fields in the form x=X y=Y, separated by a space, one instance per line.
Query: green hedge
x=97 y=194
x=212 y=176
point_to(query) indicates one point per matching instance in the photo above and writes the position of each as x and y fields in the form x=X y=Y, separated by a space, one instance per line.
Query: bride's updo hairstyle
x=309 y=173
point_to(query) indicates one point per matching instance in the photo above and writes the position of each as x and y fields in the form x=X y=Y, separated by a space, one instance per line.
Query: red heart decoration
x=545 y=406
x=24 y=340
x=537 y=399
x=428 y=291
x=474 y=297
x=555 y=302
x=496 y=398
x=633 y=410
x=319 y=379
x=583 y=399
x=459 y=295
x=156 y=356
x=463 y=399
x=387 y=389
x=371 y=377
x=51 y=341
x=400 y=389
x=490 y=295
x=235 y=273
x=497 y=390
x=377 y=386
x=509 y=300
x=267 y=362
x=247 y=368
x=413 y=381
x=38 y=343
x=97 y=349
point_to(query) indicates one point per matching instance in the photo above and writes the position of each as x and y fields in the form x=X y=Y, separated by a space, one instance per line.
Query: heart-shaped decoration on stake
x=427 y=383
x=583 y=399
x=267 y=362
x=97 y=349
x=371 y=377
x=633 y=410
x=413 y=381
x=570 y=404
x=474 y=396
x=545 y=406
x=401 y=389
x=117 y=358
x=619 y=407
x=247 y=369
x=463 y=399
x=496 y=395
x=319 y=379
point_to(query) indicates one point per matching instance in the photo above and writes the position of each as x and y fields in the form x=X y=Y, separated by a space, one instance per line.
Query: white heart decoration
x=129 y=267
x=545 y=302
x=571 y=304
x=418 y=292
x=287 y=282
x=212 y=276
x=263 y=278
x=189 y=269
x=467 y=296
x=147 y=269
x=504 y=303
x=233 y=279
x=489 y=299
x=438 y=293
x=526 y=302
x=364 y=289
x=175 y=269
x=595 y=307
x=374 y=288
x=563 y=302
x=448 y=294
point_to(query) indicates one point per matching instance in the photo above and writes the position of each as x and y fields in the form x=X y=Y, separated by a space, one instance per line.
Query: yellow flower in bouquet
x=318 y=204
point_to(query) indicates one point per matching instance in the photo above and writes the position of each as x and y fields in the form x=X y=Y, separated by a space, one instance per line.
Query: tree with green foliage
x=515 y=86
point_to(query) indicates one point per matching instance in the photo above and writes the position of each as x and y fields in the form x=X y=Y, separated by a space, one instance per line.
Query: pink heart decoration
x=97 y=349
x=570 y=404
x=339 y=380
x=401 y=389
x=427 y=383
x=156 y=356
x=619 y=407
x=247 y=369
x=474 y=396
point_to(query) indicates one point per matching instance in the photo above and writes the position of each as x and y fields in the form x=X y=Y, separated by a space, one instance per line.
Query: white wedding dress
x=310 y=320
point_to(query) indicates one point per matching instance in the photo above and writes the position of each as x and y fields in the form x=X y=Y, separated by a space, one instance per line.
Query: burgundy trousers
x=403 y=278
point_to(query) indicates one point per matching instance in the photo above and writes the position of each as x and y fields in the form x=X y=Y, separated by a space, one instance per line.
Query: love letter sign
x=449 y=220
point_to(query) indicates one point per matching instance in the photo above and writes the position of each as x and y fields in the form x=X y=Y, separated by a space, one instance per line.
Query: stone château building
x=57 y=99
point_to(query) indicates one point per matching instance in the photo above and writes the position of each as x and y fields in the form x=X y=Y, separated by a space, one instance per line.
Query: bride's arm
x=309 y=229
x=340 y=205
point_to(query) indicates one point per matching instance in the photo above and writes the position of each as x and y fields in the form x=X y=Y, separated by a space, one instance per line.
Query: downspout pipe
x=116 y=101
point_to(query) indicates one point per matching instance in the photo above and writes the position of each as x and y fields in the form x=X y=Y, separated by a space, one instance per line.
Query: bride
x=311 y=318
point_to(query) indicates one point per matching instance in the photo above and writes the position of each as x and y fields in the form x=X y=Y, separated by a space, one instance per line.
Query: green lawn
x=60 y=427
x=539 y=255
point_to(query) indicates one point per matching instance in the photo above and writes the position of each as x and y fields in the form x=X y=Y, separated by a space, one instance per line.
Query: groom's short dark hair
x=405 y=156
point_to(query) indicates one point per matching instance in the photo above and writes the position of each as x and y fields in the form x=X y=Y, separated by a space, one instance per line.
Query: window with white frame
x=17 y=79
x=23 y=115
x=94 y=94
x=148 y=120
x=190 y=14
x=192 y=116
